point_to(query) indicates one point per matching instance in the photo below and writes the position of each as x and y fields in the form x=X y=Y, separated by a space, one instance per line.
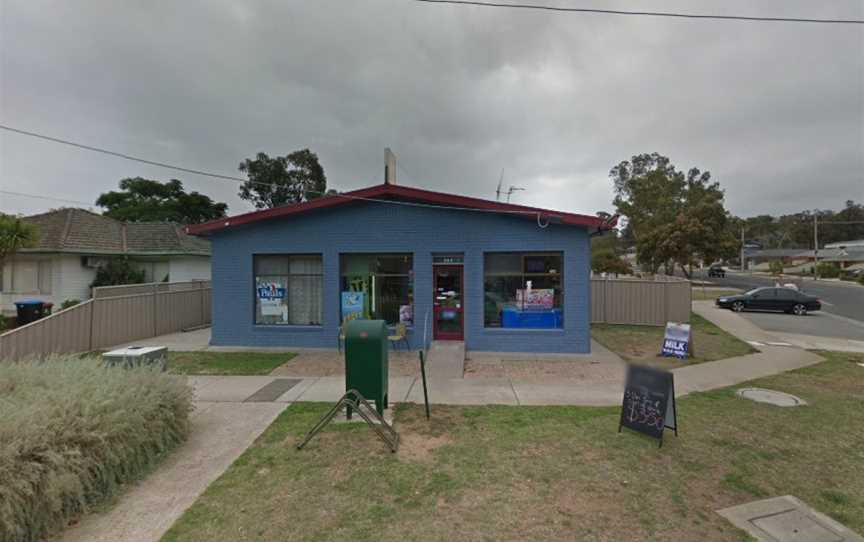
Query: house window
x=288 y=289
x=523 y=290
x=378 y=286
x=27 y=277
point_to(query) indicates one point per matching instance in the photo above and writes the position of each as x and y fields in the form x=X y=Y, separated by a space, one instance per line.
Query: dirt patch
x=484 y=368
x=419 y=447
x=556 y=371
x=332 y=363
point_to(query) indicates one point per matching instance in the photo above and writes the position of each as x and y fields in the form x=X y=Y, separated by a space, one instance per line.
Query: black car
x=716 y=271
x=771 y=299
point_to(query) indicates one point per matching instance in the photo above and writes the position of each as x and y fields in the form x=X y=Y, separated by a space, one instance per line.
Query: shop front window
x=288 y=289
x=523 y=290
x=378 y=286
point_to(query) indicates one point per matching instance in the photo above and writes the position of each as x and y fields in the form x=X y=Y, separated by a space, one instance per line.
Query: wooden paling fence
x=650 y=302
x=114 y=315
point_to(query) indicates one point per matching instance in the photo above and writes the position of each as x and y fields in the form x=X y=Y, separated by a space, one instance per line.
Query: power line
x=227 y=177
x=644 y=13
x=62 y=200
x=123 y=155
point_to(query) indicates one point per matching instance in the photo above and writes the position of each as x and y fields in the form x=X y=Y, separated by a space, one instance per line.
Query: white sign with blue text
x=676 y=341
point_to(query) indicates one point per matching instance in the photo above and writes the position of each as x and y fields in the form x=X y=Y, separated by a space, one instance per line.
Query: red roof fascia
x=389 y=191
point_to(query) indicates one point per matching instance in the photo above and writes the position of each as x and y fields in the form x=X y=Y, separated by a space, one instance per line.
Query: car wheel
x=738 y=306
x=799 y=310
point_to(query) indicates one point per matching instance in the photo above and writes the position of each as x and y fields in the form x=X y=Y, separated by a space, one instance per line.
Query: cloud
x=774 y=111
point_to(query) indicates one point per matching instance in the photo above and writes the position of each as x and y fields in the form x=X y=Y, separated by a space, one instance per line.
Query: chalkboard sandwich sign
x=649 y=402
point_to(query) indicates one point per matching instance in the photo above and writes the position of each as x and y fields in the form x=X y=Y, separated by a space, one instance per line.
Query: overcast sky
x=774 y=110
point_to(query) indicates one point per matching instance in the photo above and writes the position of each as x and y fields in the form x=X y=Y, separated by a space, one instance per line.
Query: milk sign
x=677 y=341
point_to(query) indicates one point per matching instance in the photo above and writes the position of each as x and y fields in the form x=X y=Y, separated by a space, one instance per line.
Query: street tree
x=607 y=254
x=145 y=200
x=280 y=180
x=675 y=218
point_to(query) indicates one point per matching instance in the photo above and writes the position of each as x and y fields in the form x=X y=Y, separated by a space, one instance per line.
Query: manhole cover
x=787 y=519
x=771 y=397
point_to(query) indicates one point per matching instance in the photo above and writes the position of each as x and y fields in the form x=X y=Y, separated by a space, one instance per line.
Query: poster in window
x=352 y=305
x=271 y=296
x=543 y=298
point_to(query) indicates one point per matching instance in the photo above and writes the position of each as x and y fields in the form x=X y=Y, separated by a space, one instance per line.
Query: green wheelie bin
x=366 y=363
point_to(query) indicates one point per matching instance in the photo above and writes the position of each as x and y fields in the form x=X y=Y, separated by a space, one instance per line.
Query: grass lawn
x=225 y=363
x=543 y=473
x=642 y=343
x=710 y=295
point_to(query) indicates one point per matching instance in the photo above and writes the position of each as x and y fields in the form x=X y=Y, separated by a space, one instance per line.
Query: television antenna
x=498 y=190
x=511 y=190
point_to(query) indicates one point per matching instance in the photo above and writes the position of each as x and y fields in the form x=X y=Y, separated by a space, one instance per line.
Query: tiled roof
x=83 y=232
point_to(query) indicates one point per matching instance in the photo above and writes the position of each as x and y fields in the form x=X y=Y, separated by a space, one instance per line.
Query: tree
x=117 y=271
x=15 y=234
x=276 y=181
x=143 y=200
x=674 y=218
x=606 y=255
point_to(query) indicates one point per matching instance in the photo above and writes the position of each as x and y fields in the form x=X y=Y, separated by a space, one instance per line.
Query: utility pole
x=742 y=249
x=815 y=246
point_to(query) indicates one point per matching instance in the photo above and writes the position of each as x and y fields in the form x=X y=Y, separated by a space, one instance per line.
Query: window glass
x=523 y=290
x=786 y=293
x=288 y=289
x=378 y=286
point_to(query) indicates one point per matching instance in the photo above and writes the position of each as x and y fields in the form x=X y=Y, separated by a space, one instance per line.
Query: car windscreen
x=753 y=291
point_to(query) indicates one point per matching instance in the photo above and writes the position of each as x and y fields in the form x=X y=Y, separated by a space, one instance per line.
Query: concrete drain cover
x=787 y=519
x=771 y=397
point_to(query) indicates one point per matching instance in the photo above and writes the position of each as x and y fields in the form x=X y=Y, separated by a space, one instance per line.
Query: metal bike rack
x=354 y=401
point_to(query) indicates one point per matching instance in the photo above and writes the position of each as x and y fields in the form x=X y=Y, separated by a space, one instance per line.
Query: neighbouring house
x=499 y=277
x=73 y=243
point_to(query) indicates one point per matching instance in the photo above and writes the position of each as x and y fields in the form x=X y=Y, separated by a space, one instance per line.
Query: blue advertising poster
x=352 y=305
x=676 y=341
x=270 y=290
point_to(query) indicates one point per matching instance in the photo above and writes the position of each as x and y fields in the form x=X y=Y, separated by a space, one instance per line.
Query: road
x=845 y=300
x=842 y=313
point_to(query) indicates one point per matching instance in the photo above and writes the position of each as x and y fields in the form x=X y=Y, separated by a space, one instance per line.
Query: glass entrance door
x=447 y=305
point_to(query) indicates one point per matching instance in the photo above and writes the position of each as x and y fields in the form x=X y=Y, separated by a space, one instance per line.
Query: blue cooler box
x=531 y=319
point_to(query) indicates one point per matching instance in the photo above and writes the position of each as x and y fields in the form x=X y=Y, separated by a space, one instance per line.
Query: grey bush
x=72 y=432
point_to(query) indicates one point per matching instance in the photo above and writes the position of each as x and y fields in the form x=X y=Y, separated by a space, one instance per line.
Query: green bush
x=828 y=270
x=72 y=432
x=117 y=271
x=69 y=303
x=776 y=267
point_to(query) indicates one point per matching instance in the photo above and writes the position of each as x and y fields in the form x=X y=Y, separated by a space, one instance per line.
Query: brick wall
x=385 y=228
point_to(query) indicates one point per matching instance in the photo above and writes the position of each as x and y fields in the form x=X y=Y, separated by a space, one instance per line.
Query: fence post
x=92 y=327
x=201 y=301
x=153 y=305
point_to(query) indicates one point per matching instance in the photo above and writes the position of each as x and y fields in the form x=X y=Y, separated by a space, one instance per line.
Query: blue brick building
x=501 y=277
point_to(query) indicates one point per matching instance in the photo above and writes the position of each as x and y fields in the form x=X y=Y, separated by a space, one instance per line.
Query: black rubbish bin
x=29 y=310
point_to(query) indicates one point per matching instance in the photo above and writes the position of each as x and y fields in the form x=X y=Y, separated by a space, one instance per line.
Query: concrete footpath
x=220 y=433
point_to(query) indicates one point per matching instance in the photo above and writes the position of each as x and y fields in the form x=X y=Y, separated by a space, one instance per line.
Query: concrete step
x=446 y=360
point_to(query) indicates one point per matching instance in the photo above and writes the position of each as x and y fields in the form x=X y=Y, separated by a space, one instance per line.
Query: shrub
x=776 y=267
x=72 y=432
x=828 y=270
x=69 y=303
x=117 y=271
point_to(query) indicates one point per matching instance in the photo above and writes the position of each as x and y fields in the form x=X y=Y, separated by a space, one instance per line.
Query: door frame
x=448 y=336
